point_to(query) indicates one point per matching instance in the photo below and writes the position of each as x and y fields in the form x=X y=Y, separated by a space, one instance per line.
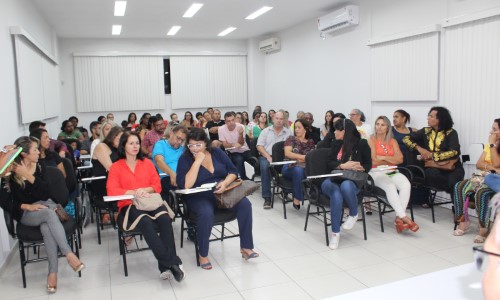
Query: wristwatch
x=492 y=145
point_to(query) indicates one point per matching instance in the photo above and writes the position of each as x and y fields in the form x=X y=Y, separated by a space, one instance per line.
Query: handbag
x=236 y=191
x=492 y=180
x=61 y=213
x=447 y=165
x=146 y=204
x=359 y=178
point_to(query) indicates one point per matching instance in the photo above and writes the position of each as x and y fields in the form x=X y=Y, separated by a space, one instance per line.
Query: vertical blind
x=202 y=81
x=406 y=69
x=471 y=68
x=111 y=83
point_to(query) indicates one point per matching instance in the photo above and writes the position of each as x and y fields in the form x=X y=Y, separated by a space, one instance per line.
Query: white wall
x=17 y=13
x=69 y=46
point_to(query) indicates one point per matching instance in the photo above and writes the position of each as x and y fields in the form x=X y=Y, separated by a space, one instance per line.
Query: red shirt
x=121 y=179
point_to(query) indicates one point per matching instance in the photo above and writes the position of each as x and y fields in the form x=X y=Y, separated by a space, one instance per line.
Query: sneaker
x=267 y=203
x=166 y=275
x=349 y=223
x=334 y=240
x=178 y=273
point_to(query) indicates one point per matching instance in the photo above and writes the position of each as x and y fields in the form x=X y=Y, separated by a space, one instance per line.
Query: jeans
x=338 y=193
x=296 y=174
x=265 y=176
x=238 y=160
x=493 y=182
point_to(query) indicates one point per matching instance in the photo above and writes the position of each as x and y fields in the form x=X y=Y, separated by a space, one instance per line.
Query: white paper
x=286 y=162
x=324 y=175
x=116 y=198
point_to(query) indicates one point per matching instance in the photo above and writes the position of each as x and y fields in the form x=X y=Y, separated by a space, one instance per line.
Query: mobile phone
x=11 y=159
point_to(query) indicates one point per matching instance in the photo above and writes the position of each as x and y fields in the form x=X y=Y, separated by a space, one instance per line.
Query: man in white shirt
x=267 y=138
x=232 y=136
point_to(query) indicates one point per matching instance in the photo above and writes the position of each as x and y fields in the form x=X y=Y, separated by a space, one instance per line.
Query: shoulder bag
x=236 y=191
x=358 y=177
x=146 y=204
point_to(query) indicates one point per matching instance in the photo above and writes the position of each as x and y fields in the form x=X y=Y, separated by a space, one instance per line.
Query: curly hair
x=444 y=117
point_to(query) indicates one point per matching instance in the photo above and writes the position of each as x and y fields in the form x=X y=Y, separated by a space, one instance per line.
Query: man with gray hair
x=267 y=138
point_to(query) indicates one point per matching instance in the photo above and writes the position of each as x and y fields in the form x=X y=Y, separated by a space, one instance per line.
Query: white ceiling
x=153 y=18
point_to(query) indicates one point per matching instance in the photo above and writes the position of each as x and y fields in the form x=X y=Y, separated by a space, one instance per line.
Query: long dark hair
x=123 y=142
x=24 y=142
x=498 y=124
x=197 y=134
x=113 y=132
x=444 y=117
x=351 y=137
x=305 y=124
x=130 y=115
x=38 y=134
x=329 y=124
x=191 y=122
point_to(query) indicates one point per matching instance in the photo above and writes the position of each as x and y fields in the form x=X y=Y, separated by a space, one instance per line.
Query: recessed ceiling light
x=173 y=30
x=227 y=31
x=120 y=7
x=117 y=29
x=259 y=12
x=192 y=10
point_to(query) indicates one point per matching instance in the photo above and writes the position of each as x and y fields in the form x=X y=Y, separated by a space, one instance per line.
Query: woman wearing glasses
x=385 y=151
x=347 y=152
x=202 y=164
x=358 y=118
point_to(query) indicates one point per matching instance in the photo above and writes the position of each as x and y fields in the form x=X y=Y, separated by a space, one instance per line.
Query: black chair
x=316 y=165
x=72 y=185
x=188 y=219
x=280 y=185
x=30 y=237
x=96 y=194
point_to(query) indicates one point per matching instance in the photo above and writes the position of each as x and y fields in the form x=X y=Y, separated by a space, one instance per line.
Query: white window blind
x=471 y=71
x=119 y=83
x=37 y=79
x=201 y=81
x=406 y=69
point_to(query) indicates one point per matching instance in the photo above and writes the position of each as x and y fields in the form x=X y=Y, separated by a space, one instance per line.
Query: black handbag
x=359 y=178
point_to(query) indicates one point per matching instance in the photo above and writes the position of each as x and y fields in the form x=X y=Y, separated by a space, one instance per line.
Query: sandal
x=247 y=256
x=460 y=232
x=479 y=239
x=128 y=240
x=205 y=266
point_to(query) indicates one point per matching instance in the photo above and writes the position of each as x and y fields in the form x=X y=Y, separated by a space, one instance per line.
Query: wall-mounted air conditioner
x=344 y=17
x=270 y=45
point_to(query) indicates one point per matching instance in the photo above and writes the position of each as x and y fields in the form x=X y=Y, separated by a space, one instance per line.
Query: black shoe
x=296 y=206
x=267 y=203
x=177 y=272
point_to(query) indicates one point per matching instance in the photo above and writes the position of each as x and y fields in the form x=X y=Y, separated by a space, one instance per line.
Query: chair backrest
x=9 y=221
x=278 y=154
x=70 y=175
x=253 y=147
x=57 y=185
x=473 y=153
x=316 y=162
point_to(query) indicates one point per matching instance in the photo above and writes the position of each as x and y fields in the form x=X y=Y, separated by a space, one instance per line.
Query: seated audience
x=131 y=121
x=47 y=157
x=438 y=142
x=296 y=148
x=232 y=136
x=400 y=130
x=358 y=117
x=348 y=152
x=143 y=126
x=32 y=206
x=314 y=132
x=261 y=125
x=103 y=132
x=213 y=128
x=470 y=189
x=134 y=175
x=101 y=119
x=385 y=152
x=268 y=137
x=188 y=121
x=202 y=164
x=154 y=135
x=270 y=117
x=110 y=117
x=57 y=146
x=328 y=125
x=68 y=132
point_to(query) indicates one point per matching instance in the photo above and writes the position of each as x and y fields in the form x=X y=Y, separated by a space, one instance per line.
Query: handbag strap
x=169 y=211
x=234 y=184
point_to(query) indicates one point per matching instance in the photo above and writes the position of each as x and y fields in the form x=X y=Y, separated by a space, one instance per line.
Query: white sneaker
x=349 y=223
x=334 y=240
x=167 y=275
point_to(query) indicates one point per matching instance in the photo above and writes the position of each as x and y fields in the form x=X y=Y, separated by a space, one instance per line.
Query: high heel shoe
x=79 y=267
x=247 y=256
x=51 y=289
x=296 y=206
x=400 y=225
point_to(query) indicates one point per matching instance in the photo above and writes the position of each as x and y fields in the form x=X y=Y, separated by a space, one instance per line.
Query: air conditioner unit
x=344 y=17
x=270 y=45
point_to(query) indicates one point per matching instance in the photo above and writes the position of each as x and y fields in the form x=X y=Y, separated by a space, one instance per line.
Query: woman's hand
x=220 y=187
x=140 y=192
x=199 y=156
x=21 y=169
x=33 y=207
x=425 y=154
x=492 y=139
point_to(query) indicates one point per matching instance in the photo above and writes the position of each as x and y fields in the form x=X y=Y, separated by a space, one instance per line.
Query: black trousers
x=162 y=245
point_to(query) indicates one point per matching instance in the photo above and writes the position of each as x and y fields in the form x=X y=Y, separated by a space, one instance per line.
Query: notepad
x=324 y=175
x=93 y=178
x=286 y=162
x=119 y=197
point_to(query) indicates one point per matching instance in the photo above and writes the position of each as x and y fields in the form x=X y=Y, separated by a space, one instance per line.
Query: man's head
x=36 y=124
x=216 y=115
x=207 y=116
x=229 y=119
x=74 y=120
x=67 y=126
x=95 y=128
x=279 y=120
x=210 y=111
x=157 y=124
x=309 y=118
x=177 y=136
x=110 y=117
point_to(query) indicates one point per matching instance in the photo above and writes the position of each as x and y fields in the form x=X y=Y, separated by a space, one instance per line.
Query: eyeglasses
x=481 y=257
x=351 y=115
x=180 y=139
x=191 y=146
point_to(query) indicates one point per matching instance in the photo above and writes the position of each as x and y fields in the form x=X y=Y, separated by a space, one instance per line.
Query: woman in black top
x=47 y=157
x=31 y=205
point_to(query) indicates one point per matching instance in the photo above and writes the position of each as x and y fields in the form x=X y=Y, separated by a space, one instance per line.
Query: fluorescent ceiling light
x=227 y=31
x=117 y=29
x=173 y=30
x=259 y=12
x=120 y=7
x=192 y=10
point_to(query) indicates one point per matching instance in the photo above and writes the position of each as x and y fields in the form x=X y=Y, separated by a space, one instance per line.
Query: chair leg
x=364 y=219
x=196 y=250
x=325 y=222
x=121 y=240
x=98 y=224
x=182 y=232
x=222 y=232
x=284 y=204
x=380 y=216
x=432 y=198
x=307 y=216
x=22 y=256
x=74 y=243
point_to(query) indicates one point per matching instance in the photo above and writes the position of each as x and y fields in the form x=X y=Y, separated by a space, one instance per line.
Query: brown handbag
x=447 y=165
x=61 y=213
x=236 y=191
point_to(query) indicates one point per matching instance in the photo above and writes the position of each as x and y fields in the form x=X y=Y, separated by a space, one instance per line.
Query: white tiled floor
x=293 y=263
